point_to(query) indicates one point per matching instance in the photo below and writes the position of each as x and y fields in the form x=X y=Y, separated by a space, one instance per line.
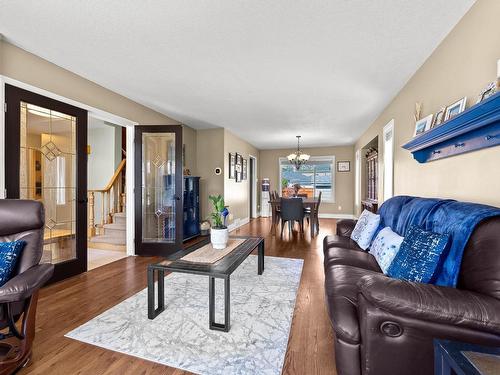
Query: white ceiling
x=265 y=70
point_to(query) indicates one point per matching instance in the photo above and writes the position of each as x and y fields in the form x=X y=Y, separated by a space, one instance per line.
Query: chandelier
x=298 y=158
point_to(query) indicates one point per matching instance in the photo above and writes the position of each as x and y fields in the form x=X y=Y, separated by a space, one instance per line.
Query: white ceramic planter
x=219 y=238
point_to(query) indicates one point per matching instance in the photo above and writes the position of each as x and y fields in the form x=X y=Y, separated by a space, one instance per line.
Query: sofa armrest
x=25 y=284
x=345 y=227
x=432 y=303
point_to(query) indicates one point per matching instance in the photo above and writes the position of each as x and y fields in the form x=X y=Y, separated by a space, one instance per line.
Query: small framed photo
x=232 y=164
x=239 y=163
x=455 y=109
x=487 y=91
x=421 y=126
x=244 y=171
x=438 y=118
x=344 y=166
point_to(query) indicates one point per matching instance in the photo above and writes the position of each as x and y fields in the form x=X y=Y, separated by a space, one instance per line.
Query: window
x=315 y=176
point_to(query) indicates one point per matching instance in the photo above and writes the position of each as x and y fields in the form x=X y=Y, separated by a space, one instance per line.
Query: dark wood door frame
x=152 y=248
x=13 y=98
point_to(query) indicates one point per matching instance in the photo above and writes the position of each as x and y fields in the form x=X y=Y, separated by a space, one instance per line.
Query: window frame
x=329 y=158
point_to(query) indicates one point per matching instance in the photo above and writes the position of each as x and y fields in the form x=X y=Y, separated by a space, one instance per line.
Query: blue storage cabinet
x=191 y=203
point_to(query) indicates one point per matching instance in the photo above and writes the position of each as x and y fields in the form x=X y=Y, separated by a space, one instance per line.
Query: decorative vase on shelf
x=219 y=238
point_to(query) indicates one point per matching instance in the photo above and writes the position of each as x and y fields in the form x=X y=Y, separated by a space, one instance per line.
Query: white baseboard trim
x=238 y=223
x=337 y=216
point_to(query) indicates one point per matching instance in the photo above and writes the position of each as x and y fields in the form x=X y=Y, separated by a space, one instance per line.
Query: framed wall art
x=232 y=165
x=344 y=166
x=244 y=174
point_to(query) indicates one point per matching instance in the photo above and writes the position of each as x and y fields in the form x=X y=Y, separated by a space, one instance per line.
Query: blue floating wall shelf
x=476 y=128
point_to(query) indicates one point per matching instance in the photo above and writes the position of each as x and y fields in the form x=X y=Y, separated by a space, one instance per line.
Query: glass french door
x=158 y=189
x=45 y=143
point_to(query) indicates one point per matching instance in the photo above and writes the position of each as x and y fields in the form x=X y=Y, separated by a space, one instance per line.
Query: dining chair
x=307 y=213
x=292 y=210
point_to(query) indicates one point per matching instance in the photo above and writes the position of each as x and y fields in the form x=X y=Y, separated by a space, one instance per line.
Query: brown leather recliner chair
x=386 y=326
x=21 y=220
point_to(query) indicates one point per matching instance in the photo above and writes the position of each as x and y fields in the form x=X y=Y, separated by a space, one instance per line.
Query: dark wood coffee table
x=222 y=269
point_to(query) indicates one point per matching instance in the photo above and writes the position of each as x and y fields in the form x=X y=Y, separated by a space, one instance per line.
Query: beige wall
x=189 y=141
x=237 y=194
x=344 y=181
x=463 y=63
x=209 y=155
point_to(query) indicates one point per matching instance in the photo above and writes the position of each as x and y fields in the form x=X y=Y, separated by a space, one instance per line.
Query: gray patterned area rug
x=261 y=314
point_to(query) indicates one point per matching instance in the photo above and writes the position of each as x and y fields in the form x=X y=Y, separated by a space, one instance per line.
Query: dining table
x=311 y=203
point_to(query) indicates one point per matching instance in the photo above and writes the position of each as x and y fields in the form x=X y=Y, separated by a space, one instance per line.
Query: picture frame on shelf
x=244 y=171
x=232 y=165
x=344 y=166
x=488 y=91
x=422 y=125
x=438 y=118
x=455 y=109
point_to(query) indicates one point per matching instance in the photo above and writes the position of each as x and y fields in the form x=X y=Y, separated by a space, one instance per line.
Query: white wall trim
x=238 y=223
x=388 y=158
x=337 y=216
x=254 y=212
x=92 y=112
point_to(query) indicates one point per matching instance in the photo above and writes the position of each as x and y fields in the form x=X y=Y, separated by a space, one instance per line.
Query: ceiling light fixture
x=298 y=158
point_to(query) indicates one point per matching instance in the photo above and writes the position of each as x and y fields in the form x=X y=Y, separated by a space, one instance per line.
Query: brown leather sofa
x=21 y=220
x=386 y=326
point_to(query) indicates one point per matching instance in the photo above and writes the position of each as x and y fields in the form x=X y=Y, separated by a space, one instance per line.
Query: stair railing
x=113 y=200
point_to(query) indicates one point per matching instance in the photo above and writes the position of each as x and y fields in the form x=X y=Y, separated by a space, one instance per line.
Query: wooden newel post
x=91 y=228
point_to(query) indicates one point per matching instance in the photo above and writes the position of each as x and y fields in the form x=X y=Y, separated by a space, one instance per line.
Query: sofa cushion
x=385 y=246
x=420 y=256
x=341 y=293
x=350 y=257
x=480 y=270
x=365 y=229
x=9 y=254
x=339 y=241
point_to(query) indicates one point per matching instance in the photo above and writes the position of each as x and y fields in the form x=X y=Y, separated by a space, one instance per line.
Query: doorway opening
x=107 y=186
x=252 y=183
x=369 y=176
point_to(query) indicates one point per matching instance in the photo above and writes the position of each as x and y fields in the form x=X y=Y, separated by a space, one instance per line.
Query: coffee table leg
x=152 y=312
x=261 y=258
x=211 y=305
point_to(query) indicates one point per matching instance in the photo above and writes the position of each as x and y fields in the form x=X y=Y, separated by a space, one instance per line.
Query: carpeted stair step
x=117 y=230
x=113 y=240
x=120 y=218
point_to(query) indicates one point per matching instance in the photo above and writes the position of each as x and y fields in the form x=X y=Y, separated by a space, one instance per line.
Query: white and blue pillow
x=9 y=253
x=385 y=246
x=420 y=256
x=365 y=229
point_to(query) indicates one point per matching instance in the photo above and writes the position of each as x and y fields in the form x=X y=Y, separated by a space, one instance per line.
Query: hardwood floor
x=70 y=303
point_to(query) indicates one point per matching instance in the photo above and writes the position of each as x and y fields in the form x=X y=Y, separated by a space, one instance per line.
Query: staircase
x=114 y=234
x=110 y=233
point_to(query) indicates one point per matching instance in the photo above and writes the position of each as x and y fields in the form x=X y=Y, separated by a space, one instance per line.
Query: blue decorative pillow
x=419 y=257
x=9 y=253
x=365 y=228
x=385 y=246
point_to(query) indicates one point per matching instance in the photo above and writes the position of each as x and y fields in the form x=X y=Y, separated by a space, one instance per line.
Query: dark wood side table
x=458 y=358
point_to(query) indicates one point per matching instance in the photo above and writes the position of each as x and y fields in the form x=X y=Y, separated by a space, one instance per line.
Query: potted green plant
x=219 y=234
